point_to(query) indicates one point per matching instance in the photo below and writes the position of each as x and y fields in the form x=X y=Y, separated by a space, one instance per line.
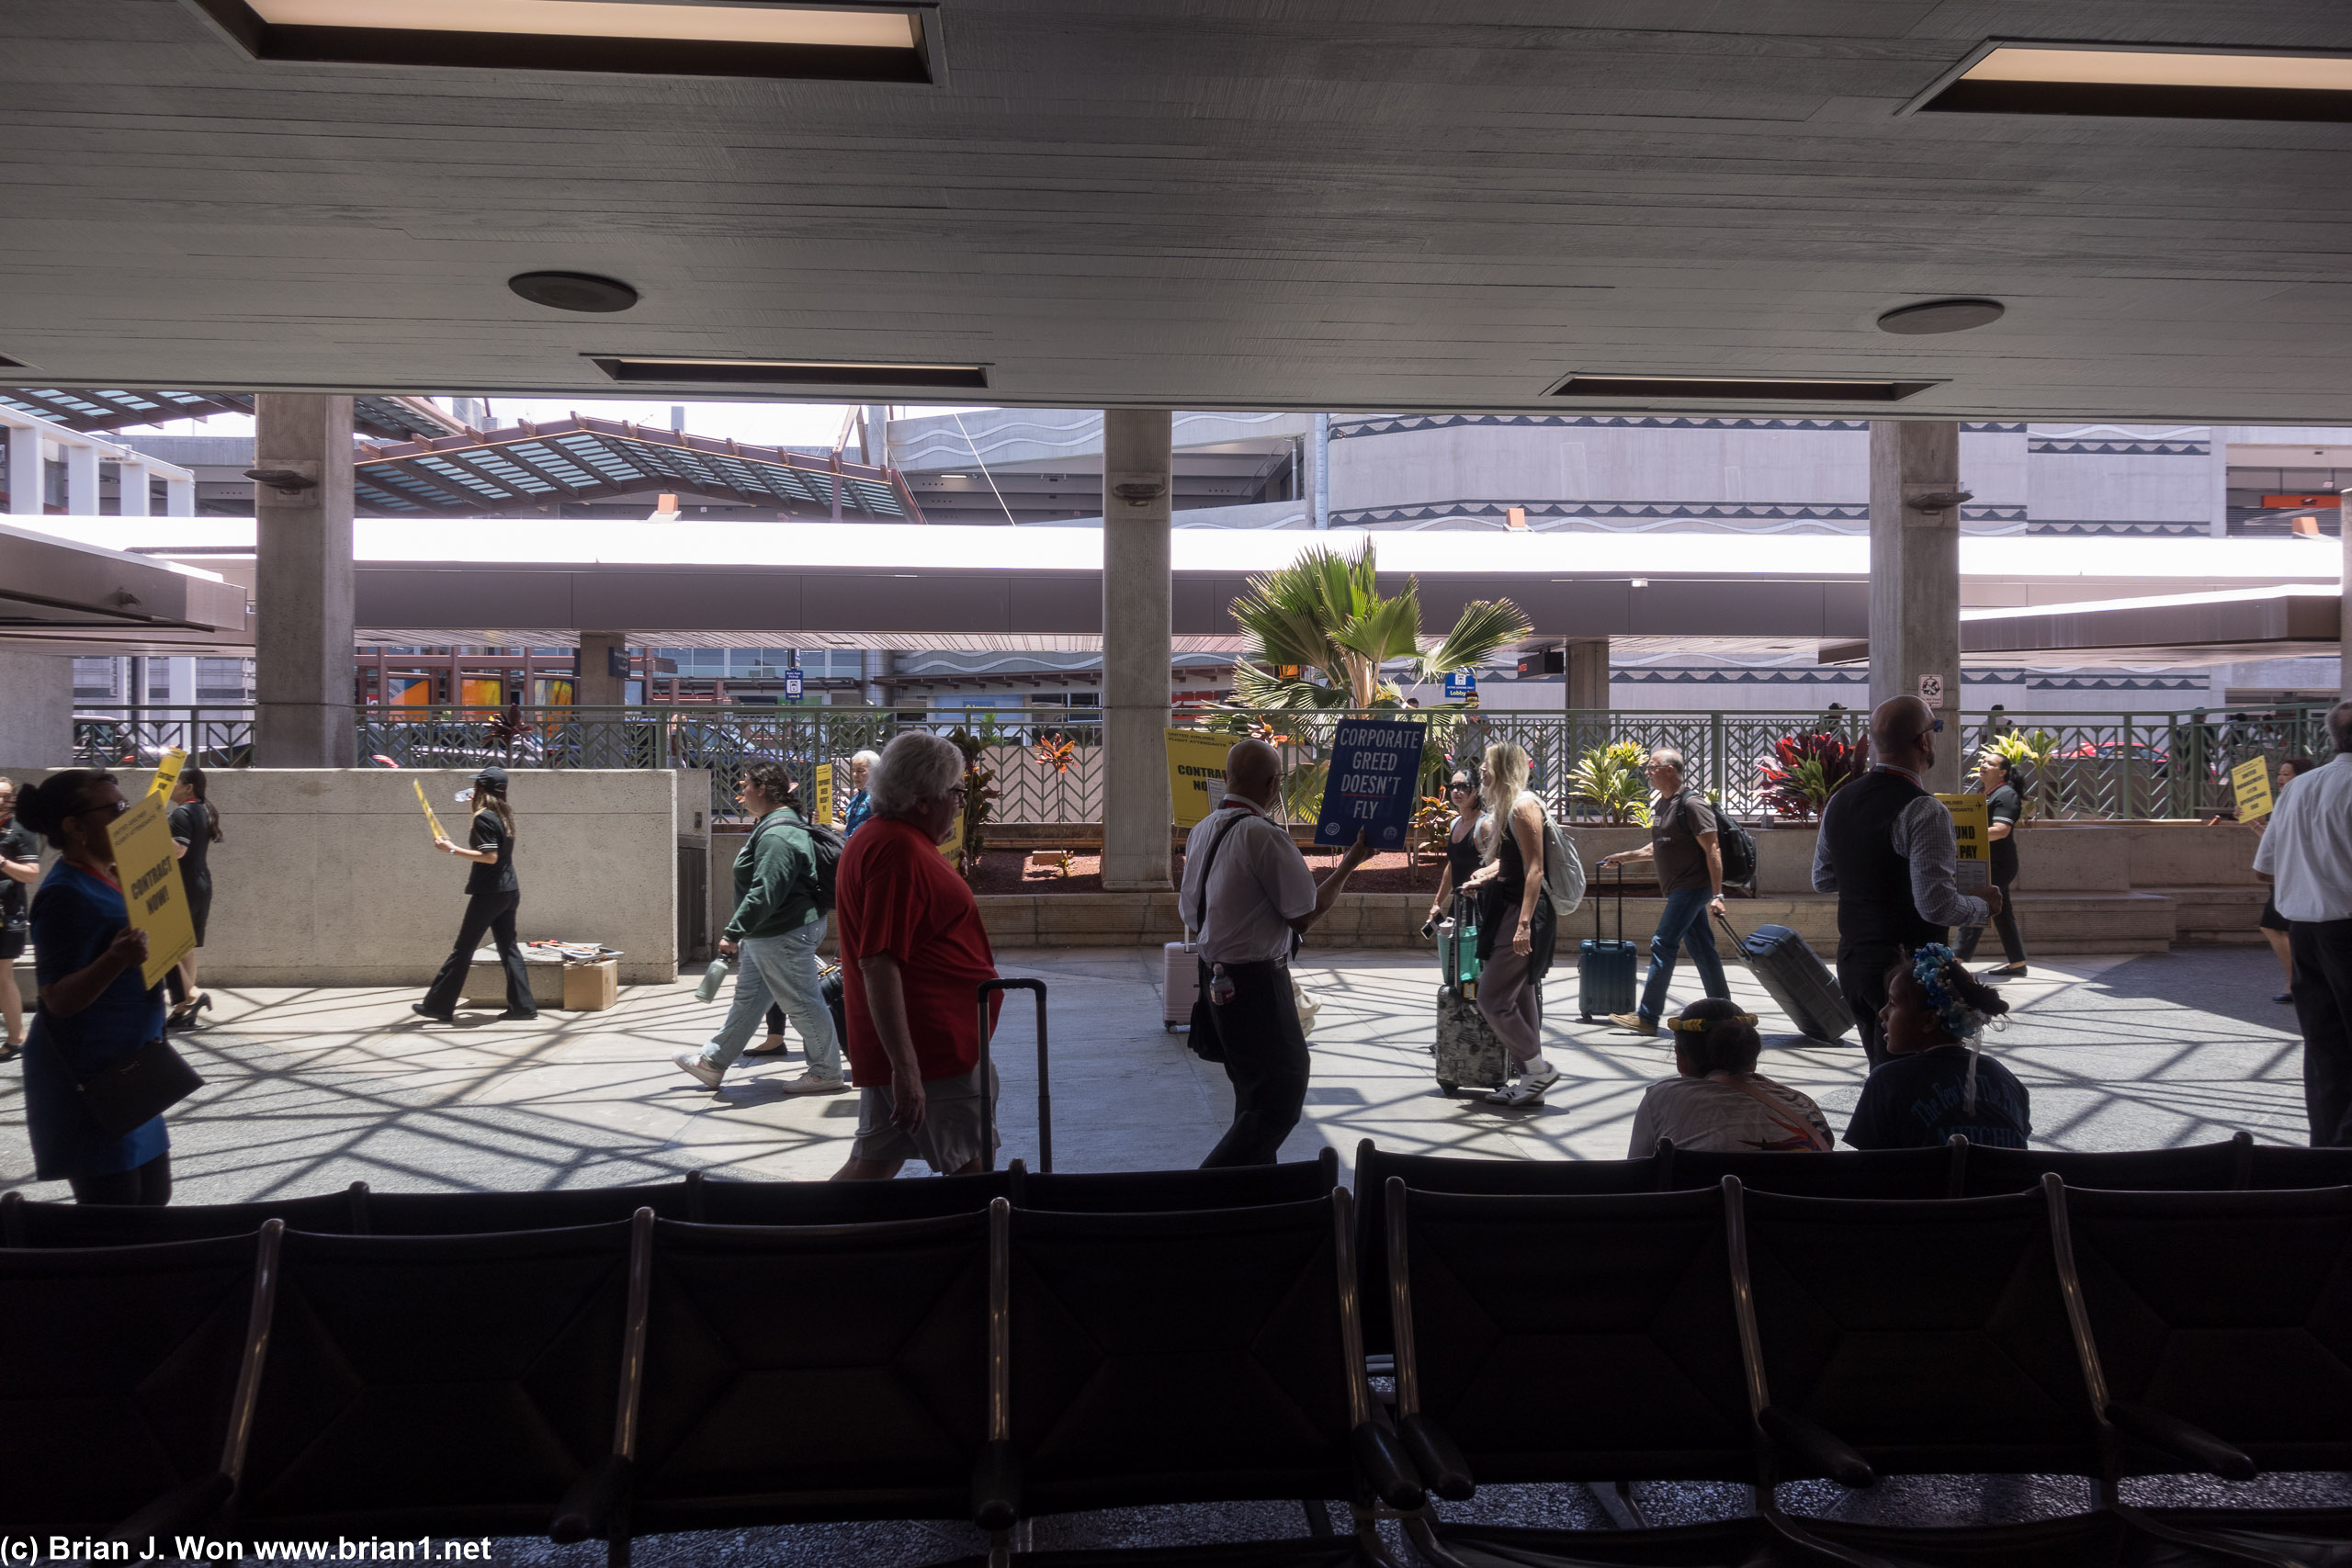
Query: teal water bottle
x=714 y=978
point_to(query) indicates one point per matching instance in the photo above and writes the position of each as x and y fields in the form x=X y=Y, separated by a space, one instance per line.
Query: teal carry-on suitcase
x=1605 y=969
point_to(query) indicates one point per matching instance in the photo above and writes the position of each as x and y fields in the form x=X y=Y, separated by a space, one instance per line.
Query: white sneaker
x=810 y=1083
x=1527 y=1090
x=694 y=1067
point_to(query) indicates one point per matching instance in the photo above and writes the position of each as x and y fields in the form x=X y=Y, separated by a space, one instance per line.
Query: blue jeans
x=1683 y=925
x=782 y=969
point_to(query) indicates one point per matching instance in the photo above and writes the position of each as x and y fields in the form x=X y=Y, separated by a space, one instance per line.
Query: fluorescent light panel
x=2155 y=82
x=1738 y=389
x=676 y=371
x=700 y=38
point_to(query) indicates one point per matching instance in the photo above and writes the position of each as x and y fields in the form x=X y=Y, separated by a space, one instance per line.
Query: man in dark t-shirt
x=1690 y=874
x=2003 y=807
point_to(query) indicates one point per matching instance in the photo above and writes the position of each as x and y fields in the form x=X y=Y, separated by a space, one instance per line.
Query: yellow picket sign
x=2251 y=780
x=167 y=772
x=430 y=820
x=824 y=795
x=1971 y=835
x=1197 y=773
x=148 y=862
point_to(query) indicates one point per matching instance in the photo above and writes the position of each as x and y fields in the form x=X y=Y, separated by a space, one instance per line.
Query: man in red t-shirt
x=913 y=955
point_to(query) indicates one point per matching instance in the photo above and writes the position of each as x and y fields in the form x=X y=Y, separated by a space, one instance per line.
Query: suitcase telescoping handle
x=988 y=1084
x=1620 y=869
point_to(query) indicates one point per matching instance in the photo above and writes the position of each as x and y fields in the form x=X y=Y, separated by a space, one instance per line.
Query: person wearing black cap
x=492 y=894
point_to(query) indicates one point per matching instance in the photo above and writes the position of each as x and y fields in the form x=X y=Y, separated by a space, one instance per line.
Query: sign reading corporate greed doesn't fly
x=1374 y=785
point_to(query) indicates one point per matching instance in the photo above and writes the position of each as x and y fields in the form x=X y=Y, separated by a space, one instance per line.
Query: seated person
x=1935 y=1081
x=1719 y=1101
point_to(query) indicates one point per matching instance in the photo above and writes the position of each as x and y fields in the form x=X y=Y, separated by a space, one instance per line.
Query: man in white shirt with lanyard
x=2307 y=852
x=1247 y=893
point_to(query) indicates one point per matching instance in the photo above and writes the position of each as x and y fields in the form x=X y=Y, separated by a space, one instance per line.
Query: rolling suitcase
x=1799 y=983
x=987 y=1087
x=1467 y=1049
x=1605 y=969
x=1179 y=985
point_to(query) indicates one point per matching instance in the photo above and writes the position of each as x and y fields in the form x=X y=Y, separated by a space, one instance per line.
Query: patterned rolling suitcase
x=1799 y=984
x=1467 y=1049
x=1605 y=969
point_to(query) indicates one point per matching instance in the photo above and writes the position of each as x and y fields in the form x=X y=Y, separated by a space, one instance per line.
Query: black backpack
x=825 y=846
x=1738 y=847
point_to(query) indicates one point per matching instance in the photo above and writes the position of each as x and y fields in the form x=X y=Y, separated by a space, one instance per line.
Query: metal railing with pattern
x=1047 y=762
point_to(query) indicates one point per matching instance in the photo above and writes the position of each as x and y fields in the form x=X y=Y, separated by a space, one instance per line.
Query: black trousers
x=493 y=913
x=1266 y=1061
x=2323 y=991
x=1861 y=976
x=2006 y=922
x=146 y=1186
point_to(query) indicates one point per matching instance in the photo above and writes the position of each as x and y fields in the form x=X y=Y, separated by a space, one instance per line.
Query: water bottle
x=714 y=978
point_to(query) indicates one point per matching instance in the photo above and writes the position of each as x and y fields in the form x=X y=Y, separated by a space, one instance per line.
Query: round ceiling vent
x=1941 y=316
x=578 y=291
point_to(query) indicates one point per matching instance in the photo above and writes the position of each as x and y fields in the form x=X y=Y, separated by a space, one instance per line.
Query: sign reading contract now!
x=1197 y=773
x=148 y=862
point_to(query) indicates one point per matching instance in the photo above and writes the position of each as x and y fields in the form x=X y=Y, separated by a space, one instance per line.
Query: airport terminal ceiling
x=1223 y=205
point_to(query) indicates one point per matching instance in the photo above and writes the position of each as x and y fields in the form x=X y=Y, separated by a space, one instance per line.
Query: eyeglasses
x=112 y=808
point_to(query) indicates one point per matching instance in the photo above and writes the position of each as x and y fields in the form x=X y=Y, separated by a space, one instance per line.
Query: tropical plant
x=1804 y=770
x=1611 y=778
x=979 y=799
x=1433 y=825
x=2028 y=757
x=1056 y=752
x=1324 y=613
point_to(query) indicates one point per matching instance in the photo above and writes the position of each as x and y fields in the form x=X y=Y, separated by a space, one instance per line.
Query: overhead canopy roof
x=2196 y=628
x=899 y=585
x=1387 y=205
x=95 y=409
x=602 y=459
x=62 y=592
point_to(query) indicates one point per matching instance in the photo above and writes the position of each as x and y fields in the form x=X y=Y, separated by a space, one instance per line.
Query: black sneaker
x=511 y=1016
x=423 y=1011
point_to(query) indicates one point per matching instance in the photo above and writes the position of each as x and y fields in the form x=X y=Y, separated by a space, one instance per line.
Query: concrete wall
x=327 y=876
x=35 y=710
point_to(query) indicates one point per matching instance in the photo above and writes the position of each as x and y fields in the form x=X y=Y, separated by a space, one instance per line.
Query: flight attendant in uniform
x=492 y=894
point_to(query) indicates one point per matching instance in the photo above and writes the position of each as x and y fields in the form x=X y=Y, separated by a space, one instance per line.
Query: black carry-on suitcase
x=1467 y=1049
x=1799 y=983
x=988 y=1086
x=1605 y=969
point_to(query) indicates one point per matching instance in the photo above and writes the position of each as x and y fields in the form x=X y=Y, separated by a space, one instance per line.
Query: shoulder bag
x=125 y=1097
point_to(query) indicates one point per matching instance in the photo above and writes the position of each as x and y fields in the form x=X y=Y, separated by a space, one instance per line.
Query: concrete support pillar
x=596 y=686
x=37 y=721
x=1588 y=660
x=27 y=475
x=81 y=480
x=2344 y=634
x=1915 y=573
x=302 y=583
x=131 y=488
x=180 y=496
x=874 y=435
x=1319 y=461
x=1136 y=484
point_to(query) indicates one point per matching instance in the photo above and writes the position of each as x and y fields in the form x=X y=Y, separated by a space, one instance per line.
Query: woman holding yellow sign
x=492 y=894
x=96 y=1012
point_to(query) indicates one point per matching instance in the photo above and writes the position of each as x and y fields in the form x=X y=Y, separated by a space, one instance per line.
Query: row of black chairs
x=1736 y=1335
x=650 y=1375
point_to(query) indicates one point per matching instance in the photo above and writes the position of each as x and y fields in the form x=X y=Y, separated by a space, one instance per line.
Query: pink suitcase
x=1179 y=985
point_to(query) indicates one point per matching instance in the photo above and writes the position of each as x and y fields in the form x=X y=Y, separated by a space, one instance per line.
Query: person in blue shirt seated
x=1935 y=1079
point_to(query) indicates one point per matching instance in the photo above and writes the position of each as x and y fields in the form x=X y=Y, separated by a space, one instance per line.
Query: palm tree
x=1324 y=613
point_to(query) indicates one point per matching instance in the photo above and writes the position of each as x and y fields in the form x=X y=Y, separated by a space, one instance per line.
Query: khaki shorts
x=949 y=1138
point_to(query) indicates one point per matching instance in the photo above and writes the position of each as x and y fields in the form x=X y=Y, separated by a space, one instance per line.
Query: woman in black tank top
x=1462 y=850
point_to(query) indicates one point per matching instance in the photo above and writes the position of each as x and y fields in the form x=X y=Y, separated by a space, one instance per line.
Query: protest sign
x=2251 y=780
x=148 y=862
x=1373 y=784
x=1971 y=827
x=1197 y=773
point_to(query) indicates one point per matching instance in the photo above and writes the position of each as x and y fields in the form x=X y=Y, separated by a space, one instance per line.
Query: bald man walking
x=1247 y=893
x=1888 y=850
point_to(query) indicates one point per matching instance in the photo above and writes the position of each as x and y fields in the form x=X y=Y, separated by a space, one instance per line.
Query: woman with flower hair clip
x=1936 y=1080
x=1717 y=1102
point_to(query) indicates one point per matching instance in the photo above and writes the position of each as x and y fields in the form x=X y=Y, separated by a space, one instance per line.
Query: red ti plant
x=1804 y=770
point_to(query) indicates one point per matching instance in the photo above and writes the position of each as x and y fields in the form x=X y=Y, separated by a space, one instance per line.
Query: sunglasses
x=111 y=809
x=1459 y=787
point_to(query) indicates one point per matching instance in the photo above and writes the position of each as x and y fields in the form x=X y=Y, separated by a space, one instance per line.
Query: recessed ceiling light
x=1737 y=389
x=2159 y=81
x=1934 y=316
x=893 y=43
x=787 y=372
x=573 y=291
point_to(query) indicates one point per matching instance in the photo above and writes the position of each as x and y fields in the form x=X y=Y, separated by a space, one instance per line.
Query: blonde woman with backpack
x=1517 y=924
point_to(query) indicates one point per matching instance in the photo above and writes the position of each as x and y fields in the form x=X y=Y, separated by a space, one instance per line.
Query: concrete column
x=27 y=474
x=1137 y=483
x=1319 y=459
x=874 y=435
x=131 y=488
x=2344 y=632
x=37 y=721
x=80 y=479
x=2217 y=477
x=302 y=583
x=180 y=496
x=1915 y=497
x=1587 y=659
x=596 y=686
